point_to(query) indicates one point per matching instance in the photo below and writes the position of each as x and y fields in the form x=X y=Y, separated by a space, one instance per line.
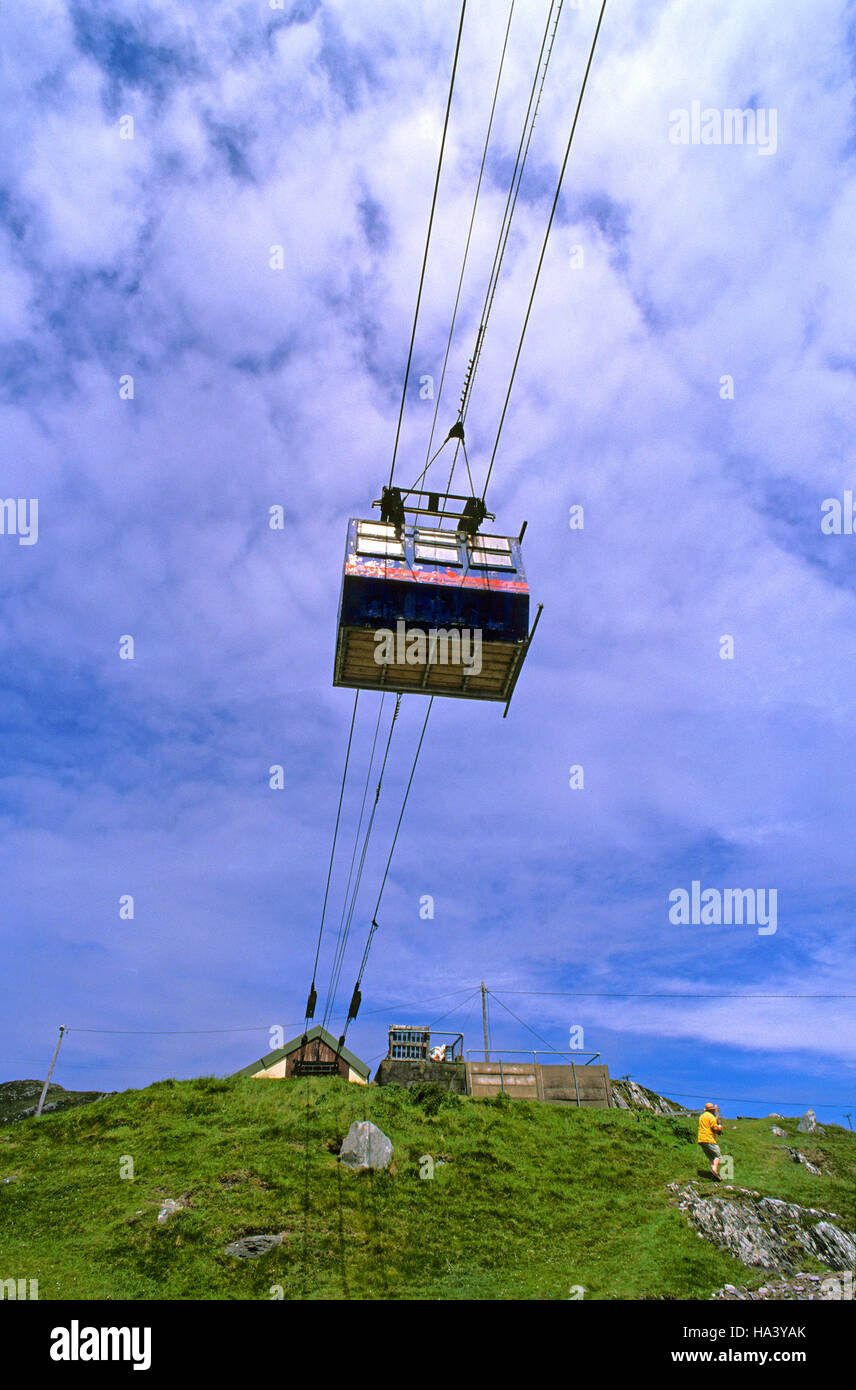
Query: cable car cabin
x=438 y=612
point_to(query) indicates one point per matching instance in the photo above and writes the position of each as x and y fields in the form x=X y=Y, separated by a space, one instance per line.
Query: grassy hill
x=530 y=1201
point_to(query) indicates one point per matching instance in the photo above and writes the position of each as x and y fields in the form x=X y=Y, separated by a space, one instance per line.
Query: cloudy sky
x=687 y=379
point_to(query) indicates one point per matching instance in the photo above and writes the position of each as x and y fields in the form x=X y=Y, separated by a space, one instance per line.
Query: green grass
x=535 y=1200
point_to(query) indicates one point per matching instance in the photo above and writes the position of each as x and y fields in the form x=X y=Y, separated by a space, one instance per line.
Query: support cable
x=338 y=965
x=374 y=925
x=548 y=1045
x=467 y=246
x=511 y=200
x=313 y=997
x=427 y=242
x=546 y=238
x=347 y=893
x=355 y=1000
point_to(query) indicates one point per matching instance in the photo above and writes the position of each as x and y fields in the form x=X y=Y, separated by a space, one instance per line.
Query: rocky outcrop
x=627 y=1095
x=766 y=1232
x=19 y=1099
x=803 y=1287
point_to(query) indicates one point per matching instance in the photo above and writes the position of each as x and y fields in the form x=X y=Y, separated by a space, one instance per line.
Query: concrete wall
x=586 y=1086
x=451 y=1075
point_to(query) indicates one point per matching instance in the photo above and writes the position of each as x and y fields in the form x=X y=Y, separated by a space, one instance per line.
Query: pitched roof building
x=320 y=1055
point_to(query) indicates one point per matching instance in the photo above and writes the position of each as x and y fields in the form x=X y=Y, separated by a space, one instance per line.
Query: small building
x=319 y=1055
x=412 y=1059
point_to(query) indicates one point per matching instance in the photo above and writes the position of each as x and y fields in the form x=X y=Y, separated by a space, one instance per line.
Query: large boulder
x=365 y=1146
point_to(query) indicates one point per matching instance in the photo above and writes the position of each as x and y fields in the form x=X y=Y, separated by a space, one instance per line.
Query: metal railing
x=570 y=1054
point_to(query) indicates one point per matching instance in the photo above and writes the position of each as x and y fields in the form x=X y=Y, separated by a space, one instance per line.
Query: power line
x=427 y=241
x=627 y=994
x=258 y=1027
x=687 y=1095
x=755 y=1100
x=460 y=1005
x=414 y=1003
x=175 y=1032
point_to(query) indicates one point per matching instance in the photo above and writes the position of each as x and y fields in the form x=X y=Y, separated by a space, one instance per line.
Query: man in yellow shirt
x=708 y=1128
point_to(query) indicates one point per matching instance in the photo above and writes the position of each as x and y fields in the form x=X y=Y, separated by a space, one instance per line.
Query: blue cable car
x=429 y=610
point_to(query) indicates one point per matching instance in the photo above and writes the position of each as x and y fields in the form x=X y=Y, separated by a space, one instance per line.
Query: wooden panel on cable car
x=431 y=611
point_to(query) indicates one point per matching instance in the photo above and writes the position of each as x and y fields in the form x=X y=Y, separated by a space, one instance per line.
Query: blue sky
x=315 y=127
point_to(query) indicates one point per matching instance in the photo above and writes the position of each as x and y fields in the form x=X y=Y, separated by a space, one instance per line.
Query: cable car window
x=437 y=554
x=490 y=559
x=435 y=535
x=374 y=538
x=381 y=529
x=393 y=549
x=493 y=543
x=436 y=546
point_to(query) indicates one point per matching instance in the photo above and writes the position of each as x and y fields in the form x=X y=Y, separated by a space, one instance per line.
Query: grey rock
x=803 y=1287
x=774 y=1129
x=365 y=1146
x=767 y=1233
x=251 y=1247
x=808 y=1124
x=801 y=1158
x=169 y=1208
x=836 y=1249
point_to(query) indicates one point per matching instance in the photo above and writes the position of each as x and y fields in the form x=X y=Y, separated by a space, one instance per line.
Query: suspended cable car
x=428 y=609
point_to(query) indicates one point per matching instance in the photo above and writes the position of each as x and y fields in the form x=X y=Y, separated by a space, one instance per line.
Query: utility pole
x=849 y=1121
x=484 y=1020
x=62 y=1030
